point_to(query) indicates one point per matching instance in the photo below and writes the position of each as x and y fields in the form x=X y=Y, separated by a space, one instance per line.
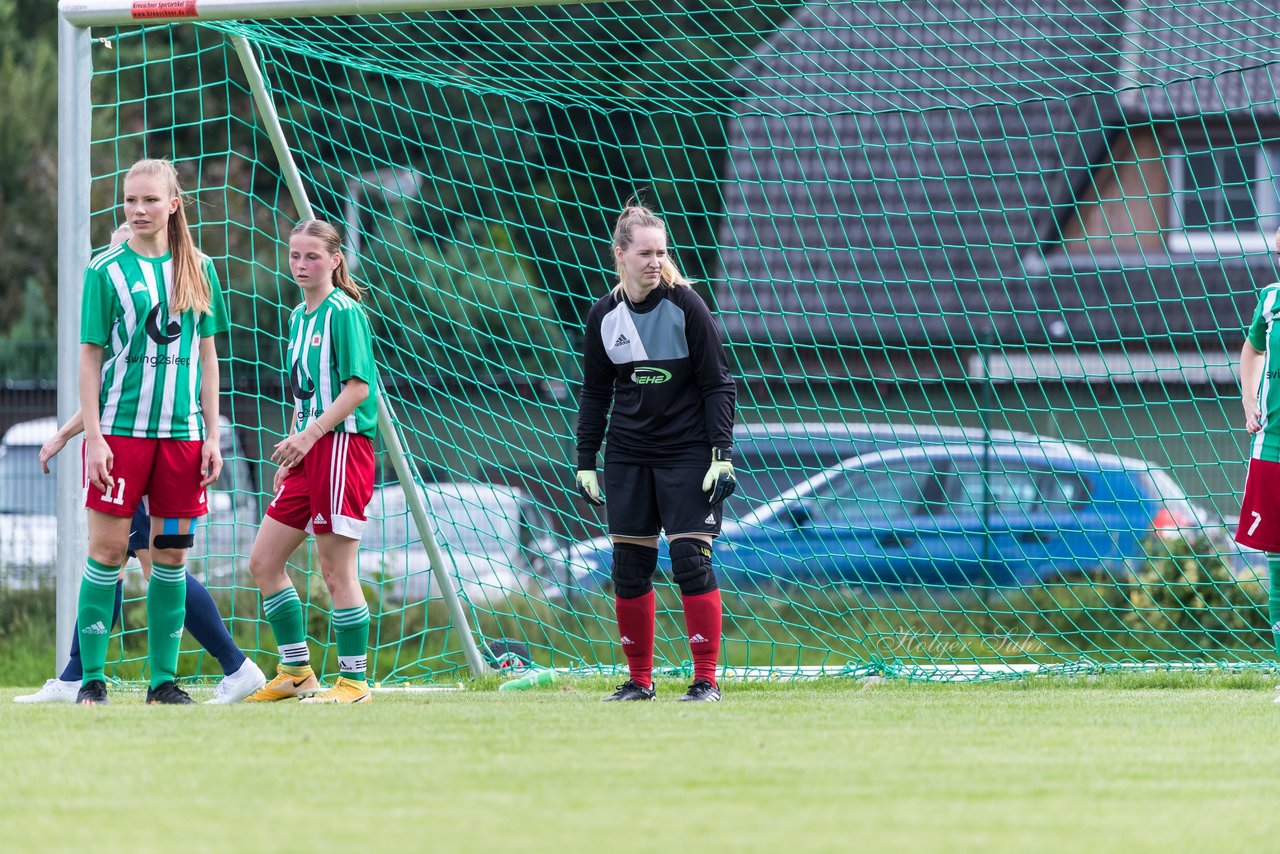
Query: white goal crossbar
x=119 y=13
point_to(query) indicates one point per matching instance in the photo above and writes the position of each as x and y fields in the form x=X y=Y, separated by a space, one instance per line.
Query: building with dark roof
x=1023 y=172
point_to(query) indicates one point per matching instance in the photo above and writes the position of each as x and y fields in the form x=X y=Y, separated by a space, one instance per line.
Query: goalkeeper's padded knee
x=633 y=569
x=691 y=567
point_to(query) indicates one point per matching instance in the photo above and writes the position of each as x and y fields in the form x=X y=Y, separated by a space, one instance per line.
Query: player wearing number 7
x=149 y=398
x=1259 y=526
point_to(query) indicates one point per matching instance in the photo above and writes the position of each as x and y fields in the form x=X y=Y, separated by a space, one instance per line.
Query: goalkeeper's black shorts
x=641 y=500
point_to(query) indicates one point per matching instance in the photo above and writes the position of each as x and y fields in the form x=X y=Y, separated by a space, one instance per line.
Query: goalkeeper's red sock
x=635 y=629
x=702 y=619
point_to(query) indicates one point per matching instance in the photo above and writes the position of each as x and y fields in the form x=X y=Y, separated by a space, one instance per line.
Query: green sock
x=351 y=625
x=166 y=612
x=93 y=617
x=284 y=611
x=1273 y=564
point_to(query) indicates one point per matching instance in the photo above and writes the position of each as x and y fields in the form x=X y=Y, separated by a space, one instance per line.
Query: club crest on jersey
x=315 y=340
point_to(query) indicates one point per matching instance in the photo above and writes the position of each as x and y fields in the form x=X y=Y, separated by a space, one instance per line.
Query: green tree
x=28 y=178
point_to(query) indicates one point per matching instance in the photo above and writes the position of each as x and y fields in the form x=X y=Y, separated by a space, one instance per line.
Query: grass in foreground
x=1112 y=764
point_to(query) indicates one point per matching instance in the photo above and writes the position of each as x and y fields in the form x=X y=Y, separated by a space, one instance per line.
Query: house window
x=1226 y=197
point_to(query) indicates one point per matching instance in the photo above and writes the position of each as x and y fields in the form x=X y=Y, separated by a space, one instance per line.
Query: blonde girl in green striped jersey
x=325 y=478
x=149 y=399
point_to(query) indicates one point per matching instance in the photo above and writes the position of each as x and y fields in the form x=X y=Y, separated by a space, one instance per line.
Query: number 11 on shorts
x=119 y=496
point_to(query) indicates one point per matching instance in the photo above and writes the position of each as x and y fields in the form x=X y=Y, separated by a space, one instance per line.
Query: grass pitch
x=1138 y=763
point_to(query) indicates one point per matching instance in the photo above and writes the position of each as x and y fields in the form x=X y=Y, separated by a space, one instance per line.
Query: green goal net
x=982 y=270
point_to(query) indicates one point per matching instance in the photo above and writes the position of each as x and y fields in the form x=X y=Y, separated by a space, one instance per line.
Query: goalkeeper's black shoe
x=701 y=691
x=630 y=690
x=168 y=694
x=92 y=694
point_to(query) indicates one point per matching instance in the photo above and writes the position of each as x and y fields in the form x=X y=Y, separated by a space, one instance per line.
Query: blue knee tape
x=171 y=538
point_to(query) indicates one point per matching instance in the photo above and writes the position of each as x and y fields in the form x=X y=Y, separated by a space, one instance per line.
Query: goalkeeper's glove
x=589 y=487
x=720 y=481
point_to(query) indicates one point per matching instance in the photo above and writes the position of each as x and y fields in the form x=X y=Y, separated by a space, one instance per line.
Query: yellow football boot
x=290 y=683
x=344 y=691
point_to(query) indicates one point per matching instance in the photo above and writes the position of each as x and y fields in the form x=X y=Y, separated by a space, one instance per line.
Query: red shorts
x=1260 y=511
x=167 y=471
x=329 y=490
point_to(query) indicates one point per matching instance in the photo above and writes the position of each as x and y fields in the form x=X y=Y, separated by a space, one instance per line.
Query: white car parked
x=28 y=507
x=496 y=542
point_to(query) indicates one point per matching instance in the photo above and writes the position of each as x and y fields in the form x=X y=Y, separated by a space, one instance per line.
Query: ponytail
x=343 y=281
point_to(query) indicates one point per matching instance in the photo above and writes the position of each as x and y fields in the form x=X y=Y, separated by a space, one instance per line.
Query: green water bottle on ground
x=540 y=676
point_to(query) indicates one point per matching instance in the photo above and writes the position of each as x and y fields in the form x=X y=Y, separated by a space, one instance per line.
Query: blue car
x=771 y=458
x=1002 y=512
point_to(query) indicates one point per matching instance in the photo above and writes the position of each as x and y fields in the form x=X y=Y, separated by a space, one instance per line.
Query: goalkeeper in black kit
x=652 y=353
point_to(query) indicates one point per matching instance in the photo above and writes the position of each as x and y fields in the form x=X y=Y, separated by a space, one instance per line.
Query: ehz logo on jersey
x=650 y=376
x=315 y=340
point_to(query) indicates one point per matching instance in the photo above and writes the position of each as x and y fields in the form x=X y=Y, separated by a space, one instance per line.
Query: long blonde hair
x=191 y=289
x=333 y=245
x=633 y=216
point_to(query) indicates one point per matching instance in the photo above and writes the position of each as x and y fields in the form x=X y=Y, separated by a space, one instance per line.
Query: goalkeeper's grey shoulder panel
x=654 y=336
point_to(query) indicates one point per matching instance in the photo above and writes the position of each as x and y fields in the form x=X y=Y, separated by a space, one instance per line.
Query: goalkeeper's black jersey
x=661 y=365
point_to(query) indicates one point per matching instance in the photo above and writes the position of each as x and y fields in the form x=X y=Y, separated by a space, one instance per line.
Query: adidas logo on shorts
x=319 y=520
x=711 y=519
x=622 y=341
x=95 y=629
x=626 y=640
x=698 y=638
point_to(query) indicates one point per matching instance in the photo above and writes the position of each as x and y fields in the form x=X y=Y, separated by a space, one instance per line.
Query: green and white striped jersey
x=151 y=359
x=327 y=347
x=1264 y=334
